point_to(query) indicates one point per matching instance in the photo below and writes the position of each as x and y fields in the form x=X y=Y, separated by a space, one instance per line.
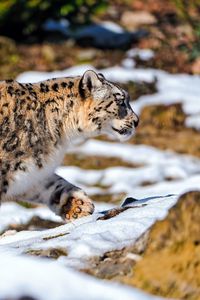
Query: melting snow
x=158 y=168
x=143 y=54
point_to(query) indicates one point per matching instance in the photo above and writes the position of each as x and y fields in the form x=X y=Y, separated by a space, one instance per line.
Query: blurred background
x=50 y=35
x=152 y=49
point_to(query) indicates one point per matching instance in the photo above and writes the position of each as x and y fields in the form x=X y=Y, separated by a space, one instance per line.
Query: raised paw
x=75 y=205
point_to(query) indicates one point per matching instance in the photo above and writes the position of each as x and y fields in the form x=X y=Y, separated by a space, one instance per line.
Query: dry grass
x=95 y=162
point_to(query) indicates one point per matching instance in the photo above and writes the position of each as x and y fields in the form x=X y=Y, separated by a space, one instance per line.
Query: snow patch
x=88 y=236
x=143 y=54
x=51 y=281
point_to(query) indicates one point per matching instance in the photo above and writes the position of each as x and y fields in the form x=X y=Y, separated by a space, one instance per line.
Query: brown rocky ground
x=17 y=58
x=162 y=126
x=170 y=265
x=95 y=162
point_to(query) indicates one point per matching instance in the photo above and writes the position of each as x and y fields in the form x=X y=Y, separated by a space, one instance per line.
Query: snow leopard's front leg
x=62 y=197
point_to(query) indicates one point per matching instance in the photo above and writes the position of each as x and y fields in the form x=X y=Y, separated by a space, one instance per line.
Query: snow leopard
x=38 y=121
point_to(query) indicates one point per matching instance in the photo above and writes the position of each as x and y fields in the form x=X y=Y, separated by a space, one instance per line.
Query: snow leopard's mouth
x=123 y=131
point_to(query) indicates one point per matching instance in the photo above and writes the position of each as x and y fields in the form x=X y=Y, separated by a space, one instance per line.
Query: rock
x=35 y=223
x=26 y=298
x=171 y=263
x=111 y=213
x=129 y=201
x=106 y=36
x=21 y=298
x=117 y=263
x=132 y=20
x=49 y=253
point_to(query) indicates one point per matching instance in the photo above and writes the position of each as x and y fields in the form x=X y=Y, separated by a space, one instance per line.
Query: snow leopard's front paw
x=74 y=205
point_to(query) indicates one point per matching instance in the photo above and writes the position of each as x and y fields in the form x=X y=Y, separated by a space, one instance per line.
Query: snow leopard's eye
x=122 y=103
x=119 y=97
x=101 y=76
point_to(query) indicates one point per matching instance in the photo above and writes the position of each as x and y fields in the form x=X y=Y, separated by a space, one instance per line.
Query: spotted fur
x=38 y=121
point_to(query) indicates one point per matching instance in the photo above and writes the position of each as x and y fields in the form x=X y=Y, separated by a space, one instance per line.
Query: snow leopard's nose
x=136 y=122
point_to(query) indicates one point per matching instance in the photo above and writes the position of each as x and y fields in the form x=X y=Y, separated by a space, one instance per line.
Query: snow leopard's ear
x=90 y=81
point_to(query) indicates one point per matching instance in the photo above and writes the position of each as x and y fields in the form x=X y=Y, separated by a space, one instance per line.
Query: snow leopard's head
x=106 y=107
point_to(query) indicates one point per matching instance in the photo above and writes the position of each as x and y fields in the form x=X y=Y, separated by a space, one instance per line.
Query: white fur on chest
x=24 y=181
